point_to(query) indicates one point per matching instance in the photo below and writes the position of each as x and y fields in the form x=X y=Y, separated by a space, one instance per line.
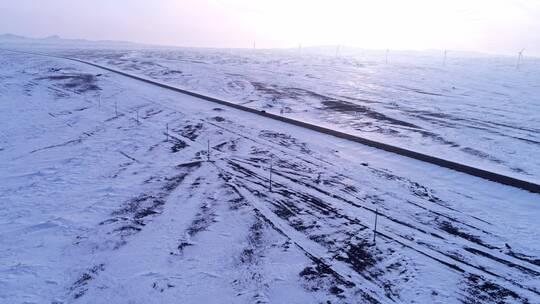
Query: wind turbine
x=520 y=56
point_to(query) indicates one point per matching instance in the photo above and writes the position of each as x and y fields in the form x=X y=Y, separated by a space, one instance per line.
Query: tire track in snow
x=449 y=261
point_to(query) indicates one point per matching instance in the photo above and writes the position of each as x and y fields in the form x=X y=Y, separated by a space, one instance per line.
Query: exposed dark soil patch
x=481 y=154
x=414 y=187
x=191 y=131
x=320 y=277
x=284 y=140
x=80 y=287
x=237 y=200
x=526 y=258
x=481 y=291
x=79 y=83
x=360 y=256
x=172 y=72
x=132 y=217
x=423 y=192
x=151 y=112
x=178 y=145
x=451 y=229
x=229 y=146
x=251 y=252
x=274 y=92
x=203 y=220
x=503 y=261
x=351 y=108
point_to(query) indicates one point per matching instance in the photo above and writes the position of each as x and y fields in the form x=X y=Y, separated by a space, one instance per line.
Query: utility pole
x=337 y=50
x=375 y=229
x=208 y=150
x=270 y=184
x=167 y=132
x=116 y=108
x=137 y=116
x=386 y=60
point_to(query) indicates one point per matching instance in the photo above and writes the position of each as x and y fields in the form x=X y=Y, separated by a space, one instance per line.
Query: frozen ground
x=99 y=207
x=475 y=109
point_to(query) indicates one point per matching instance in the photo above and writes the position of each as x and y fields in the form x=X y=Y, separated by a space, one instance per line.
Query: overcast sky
x=496 y=26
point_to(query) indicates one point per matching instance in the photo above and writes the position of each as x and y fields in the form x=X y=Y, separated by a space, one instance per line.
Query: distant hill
x=10 y=40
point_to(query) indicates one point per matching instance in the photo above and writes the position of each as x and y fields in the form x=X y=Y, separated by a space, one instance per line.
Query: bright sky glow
x=497 y=26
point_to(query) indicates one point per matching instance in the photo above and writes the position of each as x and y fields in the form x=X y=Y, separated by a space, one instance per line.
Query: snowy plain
x=470 y=108
x=100 y=204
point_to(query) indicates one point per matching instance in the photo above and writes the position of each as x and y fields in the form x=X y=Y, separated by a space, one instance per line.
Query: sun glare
x=375 y=24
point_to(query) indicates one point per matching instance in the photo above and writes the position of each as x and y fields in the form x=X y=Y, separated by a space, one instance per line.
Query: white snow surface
x=473 y=109
x=101 y=204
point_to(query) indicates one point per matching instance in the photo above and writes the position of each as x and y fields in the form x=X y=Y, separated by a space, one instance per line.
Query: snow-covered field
x=474 y=109
x=100 y=204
